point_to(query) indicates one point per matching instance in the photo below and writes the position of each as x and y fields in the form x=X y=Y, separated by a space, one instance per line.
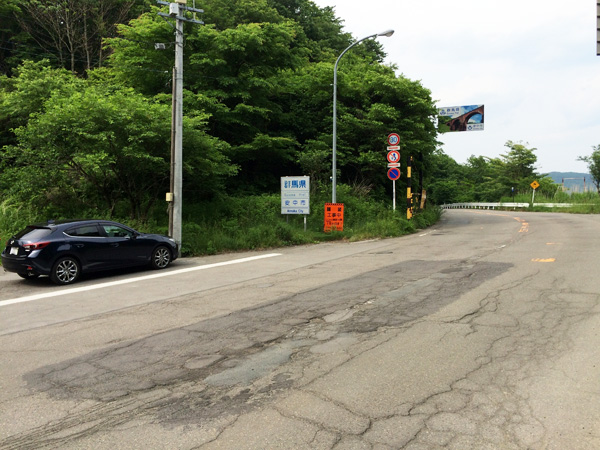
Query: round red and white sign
x=393 y=139
x=393 y=156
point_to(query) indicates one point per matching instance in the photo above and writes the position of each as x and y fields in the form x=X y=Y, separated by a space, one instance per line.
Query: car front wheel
x=161 y=257
x=65 y=271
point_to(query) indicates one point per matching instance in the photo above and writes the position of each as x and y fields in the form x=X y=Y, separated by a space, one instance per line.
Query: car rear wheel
x=65 y=271
x=161 y=257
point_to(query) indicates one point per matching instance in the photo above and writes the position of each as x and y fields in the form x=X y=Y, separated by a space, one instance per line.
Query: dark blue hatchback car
x=65 y=249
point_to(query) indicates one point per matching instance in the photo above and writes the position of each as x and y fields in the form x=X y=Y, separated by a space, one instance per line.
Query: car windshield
x=33 y=233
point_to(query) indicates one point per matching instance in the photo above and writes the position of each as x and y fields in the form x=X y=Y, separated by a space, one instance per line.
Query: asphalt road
x=482 y=332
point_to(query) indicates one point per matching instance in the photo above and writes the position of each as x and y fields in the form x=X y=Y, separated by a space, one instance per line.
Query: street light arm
x=386 y=33
x=352 y=45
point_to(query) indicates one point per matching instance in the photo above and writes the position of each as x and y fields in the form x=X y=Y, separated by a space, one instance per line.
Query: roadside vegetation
x=85 y=129
x=255 y=222
x=575 y=203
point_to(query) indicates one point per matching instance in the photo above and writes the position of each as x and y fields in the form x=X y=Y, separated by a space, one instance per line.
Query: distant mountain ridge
x=574 y=181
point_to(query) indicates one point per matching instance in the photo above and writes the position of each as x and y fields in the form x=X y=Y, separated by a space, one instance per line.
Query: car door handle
x=114 y=245
x=79 y=245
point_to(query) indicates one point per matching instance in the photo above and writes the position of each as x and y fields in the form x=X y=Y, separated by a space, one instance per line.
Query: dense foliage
x=593 y=162
x=484 y=179
x=257 y=103
x=85 y=111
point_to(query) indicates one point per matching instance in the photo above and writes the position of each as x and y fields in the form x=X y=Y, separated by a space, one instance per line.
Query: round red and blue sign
x=394 y=173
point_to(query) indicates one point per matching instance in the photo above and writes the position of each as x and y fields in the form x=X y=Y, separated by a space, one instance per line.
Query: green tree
x=9 y=28
x=69 y=33
x=593 y=162
x=26 y=93
x=323 y=30
x=250 y=68
x=101 y=148
x=519 y=164
x=235 y=75
x=372 y=102
x=447 y=181
x=519 y=170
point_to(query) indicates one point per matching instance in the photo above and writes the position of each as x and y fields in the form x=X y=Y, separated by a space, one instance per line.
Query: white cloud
x=532 y=63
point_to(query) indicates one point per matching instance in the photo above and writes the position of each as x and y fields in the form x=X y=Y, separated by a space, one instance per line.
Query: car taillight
x=35 y=245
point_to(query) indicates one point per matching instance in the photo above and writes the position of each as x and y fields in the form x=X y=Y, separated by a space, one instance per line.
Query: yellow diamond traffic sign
x=535 y=185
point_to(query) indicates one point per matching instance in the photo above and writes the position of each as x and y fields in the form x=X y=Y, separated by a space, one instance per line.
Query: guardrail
x=503 y=205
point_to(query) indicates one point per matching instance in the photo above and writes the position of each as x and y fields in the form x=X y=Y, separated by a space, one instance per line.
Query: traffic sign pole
x=394 y=174
x=409 y=212
x=534 y=185
x=393 y=158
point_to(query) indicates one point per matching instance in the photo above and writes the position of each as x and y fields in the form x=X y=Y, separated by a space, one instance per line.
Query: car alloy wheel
x=65 y=271
x=161 y=257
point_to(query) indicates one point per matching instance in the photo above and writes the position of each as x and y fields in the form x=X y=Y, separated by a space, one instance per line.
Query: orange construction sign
x=334 y=217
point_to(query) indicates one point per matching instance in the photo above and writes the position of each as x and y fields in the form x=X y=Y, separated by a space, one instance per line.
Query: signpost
x=393 y=158
x=534 y=185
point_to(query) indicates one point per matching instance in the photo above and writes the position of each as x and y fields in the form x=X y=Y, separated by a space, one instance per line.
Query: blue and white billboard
x=461 y=118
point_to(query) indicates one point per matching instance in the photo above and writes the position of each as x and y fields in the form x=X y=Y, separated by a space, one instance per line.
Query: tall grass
x=255 y=222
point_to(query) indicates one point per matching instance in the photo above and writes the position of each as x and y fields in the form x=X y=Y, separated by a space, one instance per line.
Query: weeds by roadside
x=255 y=222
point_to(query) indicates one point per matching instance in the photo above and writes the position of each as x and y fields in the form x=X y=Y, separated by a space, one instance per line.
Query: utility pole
x=175 y=197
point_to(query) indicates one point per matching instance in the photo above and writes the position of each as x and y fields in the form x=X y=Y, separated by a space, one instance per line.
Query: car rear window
x=32 y=233
x=84 y=231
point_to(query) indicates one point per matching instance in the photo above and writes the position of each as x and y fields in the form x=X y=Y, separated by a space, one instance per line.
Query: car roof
x=67 y=222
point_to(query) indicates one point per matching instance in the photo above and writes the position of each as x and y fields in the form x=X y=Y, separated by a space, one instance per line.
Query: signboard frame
x=295 y=195
x=334 y=217
x=461 y=118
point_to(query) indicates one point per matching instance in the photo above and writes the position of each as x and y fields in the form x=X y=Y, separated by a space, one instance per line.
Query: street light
x=387 y=33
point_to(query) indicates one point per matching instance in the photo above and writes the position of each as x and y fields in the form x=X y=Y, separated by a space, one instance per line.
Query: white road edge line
x=132 y=280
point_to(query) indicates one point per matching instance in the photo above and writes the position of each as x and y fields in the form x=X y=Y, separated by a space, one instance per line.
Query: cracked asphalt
x=479 y=333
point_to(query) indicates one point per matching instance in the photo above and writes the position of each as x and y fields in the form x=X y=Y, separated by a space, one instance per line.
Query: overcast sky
x=532 y=63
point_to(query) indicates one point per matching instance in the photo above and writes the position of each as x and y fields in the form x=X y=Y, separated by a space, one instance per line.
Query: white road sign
x=295 y=195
